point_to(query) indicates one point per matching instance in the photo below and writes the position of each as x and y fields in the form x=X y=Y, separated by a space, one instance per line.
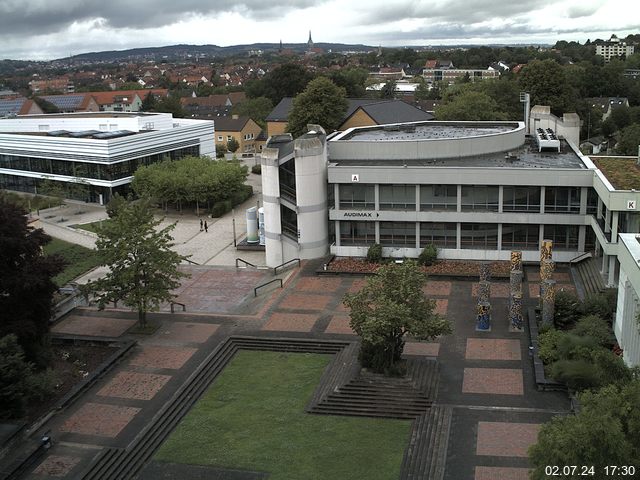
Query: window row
x=99 y=171
x=479 y=236
x=473 y=198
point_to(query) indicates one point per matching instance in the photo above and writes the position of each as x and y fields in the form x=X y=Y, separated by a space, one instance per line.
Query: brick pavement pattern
x=534 y=289
x=442 y=305
x=503 y=439
x=291 y=322
x=498 y=290
x=162 y=357
x=357 y=285
x=184 y=332
x=493 y=381
x=99 y=419
x=296 y=301
x=559 y=277
x=492 y=349
x=501 y=473
x=135 y=386
x=94 y=326
x=421 y=348
x=437 y=287
x=318 y=284
x=340 y=324
x=56 y=465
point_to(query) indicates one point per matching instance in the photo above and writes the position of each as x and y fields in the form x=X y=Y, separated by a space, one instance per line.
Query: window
x=287 y=173
x=229 y=137
x=479 y=198
x=289 y=222
x=564 y=237
x=398 y=234
x=357 y=233
x=562 y=200
x=516 y=236
x=357 y=197
x=438 y=197
x=592 y=202
x=521 y=199
x=43 y=128
x=479 y=235
x=440 y=234
x=220 y=138
x=397 y=197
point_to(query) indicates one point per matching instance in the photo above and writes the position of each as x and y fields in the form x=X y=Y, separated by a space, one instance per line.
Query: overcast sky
x=47 y=29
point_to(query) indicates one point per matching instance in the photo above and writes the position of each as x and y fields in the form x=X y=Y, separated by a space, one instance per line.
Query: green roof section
x=622 y=173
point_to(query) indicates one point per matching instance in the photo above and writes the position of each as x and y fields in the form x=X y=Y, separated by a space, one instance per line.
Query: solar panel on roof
x=64 y=102
x=10 y=106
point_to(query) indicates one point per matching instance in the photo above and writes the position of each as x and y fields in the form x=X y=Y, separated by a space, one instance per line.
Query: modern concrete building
x=626 y=327
x=100 y=150
x=614 y=47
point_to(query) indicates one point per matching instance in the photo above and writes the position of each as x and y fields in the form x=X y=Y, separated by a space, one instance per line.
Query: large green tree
x=629 y=140
x=257 y=109
x=287 y=80
x=391 y=305
x=26 y=282
x=605 y=432
x=470 y=105
x=547 y=83
x=143 y=268
x=322 y=103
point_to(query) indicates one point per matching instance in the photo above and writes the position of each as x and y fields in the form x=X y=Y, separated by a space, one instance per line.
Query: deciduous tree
x=470 y=105
x=143 y=268
x=391 y=305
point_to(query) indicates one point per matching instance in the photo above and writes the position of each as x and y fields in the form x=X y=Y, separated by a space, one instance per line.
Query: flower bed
x=454 y=268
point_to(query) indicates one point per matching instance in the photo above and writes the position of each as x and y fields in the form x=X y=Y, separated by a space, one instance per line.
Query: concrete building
x=614 y=47
x=626 y=326
x=100 y=150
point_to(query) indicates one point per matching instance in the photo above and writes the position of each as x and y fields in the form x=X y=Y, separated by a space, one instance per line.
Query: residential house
x=58 y=84
x=125 y=100
x=614 y=47
x=606 y=105
x=211 y=106
x=444 y=71
x=74 y=102
x=243 y=129
x=18 y=106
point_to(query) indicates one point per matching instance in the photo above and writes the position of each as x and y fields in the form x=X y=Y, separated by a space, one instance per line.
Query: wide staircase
x=589 y=275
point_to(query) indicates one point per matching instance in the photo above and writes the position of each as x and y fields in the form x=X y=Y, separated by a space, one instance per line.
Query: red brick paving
x=498 y=290
x=534 y=289
x=421 y=348
x=93 y=326
x=557 y=276
x=133 y=385
x=184 y=332
x=99 y=419
x=341 y=307
x=291 y=322
x=492 y=349
x=56 y=465
x=442 y=304
x=501 y=473
x=357 y=285
x=441 y=288
x=502 y=439
x=305 y=301
x=495 y=381
x=162 y=357
x=318 y=284
x=340 y=324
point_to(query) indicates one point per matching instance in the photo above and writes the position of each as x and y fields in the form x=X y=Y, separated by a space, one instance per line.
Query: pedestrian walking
x=200 y=224
x=206 y=227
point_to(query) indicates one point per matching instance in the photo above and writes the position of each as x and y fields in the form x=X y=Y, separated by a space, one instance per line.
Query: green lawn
x=252 y=418
x=79 y=259
x=91 y=227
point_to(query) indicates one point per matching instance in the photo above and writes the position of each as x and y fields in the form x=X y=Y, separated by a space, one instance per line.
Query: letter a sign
x=355 y=177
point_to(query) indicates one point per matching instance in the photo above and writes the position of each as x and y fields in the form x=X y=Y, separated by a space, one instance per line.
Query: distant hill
x=171 y=51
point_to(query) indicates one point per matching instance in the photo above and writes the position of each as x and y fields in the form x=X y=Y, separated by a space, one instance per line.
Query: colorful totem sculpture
x=548 y=301
x=483 y=309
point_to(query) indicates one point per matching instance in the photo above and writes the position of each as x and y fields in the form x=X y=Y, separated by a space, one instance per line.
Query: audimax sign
x=360 y=214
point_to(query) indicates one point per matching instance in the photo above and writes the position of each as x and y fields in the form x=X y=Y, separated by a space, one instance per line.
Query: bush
x=221 y=149
x=602 y=304
x=577 y=374
x=567 y=310
x=548 y=345
x=240 y=196
x=596 y=328
x=220 y=208
x=374 y=254
x=428 y=255
x=257 y=169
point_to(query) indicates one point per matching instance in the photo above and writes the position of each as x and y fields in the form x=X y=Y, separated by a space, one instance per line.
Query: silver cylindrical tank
x=252 y=225
x=261 y=225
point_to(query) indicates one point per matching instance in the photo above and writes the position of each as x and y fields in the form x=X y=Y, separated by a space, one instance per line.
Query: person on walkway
x=206 y=227
x=200 y=224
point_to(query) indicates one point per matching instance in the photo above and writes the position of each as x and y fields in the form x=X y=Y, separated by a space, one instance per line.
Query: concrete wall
x=568 y=126
x=626 y=326
x=271 y=203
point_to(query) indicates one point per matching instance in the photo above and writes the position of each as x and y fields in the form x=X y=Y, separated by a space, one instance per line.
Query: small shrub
x=257 y=169
x=577 y=374
x=221 y=149
x=374 y=254
x=428 y=255
x=548 y=345
x=220 y=208
x=596 y=328
x=602 y=304
x=610 y=367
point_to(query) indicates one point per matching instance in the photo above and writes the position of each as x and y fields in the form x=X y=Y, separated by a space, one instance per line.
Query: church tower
x=310 y=42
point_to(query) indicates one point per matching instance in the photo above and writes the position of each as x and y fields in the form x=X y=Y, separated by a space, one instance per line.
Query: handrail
x=171 y=305
x=245 y=262
x=255 y=290
x=581 y=257
x=190 y=261
x=275 y=269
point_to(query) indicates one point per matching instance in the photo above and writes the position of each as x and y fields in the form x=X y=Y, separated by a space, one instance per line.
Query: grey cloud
x=47 y=16
x=579 y=11
x=457 y=11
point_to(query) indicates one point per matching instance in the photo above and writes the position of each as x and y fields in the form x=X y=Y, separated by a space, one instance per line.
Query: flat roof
x=426 y=131
x=526 y=156
x=622 y=173
x=108 y=114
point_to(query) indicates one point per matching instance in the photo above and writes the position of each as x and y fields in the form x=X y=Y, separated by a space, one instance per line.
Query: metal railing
x=581 y=257
x=255 y=290
x=248 y=264
x=173 y=304
x=275 y=269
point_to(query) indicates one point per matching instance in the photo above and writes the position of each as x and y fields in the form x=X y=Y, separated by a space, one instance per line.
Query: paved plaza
x=486 y=377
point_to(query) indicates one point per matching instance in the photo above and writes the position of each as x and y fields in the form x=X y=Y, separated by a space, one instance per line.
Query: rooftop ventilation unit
x=547 y=140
